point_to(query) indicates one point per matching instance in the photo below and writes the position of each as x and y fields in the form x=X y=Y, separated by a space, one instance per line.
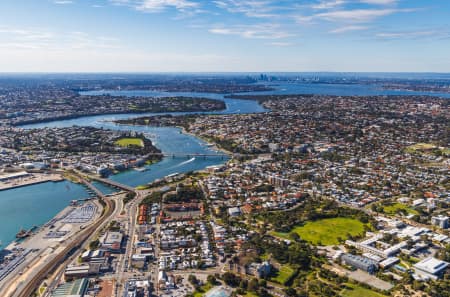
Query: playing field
x=327 y=231
x=394 y=208
x=357 y=291
x=283 y=275
x=130 y=141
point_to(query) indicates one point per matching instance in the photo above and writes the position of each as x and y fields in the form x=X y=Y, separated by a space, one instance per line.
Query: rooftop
x=431 y=265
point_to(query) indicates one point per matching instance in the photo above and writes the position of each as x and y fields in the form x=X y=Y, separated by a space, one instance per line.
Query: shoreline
x=55 y=179
x=214 y=145
x=184 y=131
x=73 y=117
x=60 y=214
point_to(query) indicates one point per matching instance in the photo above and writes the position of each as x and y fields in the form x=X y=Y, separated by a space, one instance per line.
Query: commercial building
x=359 y=262
x=260 y=270
x=234 y=211
x=441 y=221
x=86 y=270
x=15 y=175
x=76 y=288
x=112 y=241
x=430 y=268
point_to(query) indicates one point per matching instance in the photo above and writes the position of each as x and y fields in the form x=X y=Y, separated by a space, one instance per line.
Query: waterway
x=34 y=205
x=28 y=206
x=284 y=88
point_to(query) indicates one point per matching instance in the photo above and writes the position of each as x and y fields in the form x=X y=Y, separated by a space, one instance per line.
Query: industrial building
x=359 y=262
x=76 y=288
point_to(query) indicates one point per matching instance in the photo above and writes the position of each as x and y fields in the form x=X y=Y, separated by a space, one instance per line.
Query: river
x=34 y=205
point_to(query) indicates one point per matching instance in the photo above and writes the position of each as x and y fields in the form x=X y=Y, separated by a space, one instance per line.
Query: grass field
x=357 y=291
x=203 y=290
x=327 y=231
x=124 y=142
x=423 y=147
x=394 y=208
x=283 y=275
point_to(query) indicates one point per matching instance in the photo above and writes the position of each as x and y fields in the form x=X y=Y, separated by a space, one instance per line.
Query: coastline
x=184 y=131
x=55 y=178
x=60 y=214
x=77 y=116
x=208 y=141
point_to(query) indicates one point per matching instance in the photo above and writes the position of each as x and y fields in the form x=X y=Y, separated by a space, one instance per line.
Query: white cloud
x=421 y=34
x=260 y=31
x=157 y=5
x=328 y=4
x=62 y=2
x=250 y=8
x=357 y=15
x=281 y=44
x=346 y=29
x=42 y=39
x=379 y=2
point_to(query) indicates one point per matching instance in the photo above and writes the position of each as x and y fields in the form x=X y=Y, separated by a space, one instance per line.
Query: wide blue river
x=34 y=205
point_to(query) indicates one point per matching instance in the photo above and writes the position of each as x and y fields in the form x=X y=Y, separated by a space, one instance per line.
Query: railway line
x=31 y=286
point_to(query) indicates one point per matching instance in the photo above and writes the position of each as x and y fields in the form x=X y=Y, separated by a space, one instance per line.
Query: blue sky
x=224 y=35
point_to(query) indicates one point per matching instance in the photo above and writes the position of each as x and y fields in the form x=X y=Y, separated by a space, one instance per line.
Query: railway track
x=39 y=277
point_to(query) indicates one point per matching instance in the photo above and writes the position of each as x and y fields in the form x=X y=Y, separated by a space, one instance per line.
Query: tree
x=94 y=244
x=291 y=292
x=294 y=236
x=193 y=279
x=212 y=280
x=231 y=279
x=244 y=284
x=253 y=285
x=263 y=293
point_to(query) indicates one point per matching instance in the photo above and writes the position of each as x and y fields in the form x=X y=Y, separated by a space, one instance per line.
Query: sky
x=224 y=35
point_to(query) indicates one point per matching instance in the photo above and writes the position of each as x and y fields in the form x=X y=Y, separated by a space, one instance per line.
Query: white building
x=430 y=268
x=441 y=221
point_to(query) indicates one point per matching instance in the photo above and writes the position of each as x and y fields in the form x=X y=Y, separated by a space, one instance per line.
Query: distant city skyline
x=224 y=36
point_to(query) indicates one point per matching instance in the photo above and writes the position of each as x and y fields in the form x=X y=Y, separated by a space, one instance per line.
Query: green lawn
x=130 y=141
x=327 y=231
x=283 y=275
x=394 y=208
x=357 y=291
x=423 y=147
x=203 y=290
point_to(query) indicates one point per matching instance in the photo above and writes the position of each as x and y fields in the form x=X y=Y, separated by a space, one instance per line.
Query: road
x=27 y=288
x=40 y=274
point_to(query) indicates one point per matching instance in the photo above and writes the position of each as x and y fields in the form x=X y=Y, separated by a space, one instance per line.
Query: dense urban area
x=322 y=195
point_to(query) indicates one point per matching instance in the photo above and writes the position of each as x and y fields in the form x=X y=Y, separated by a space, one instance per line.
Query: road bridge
x=93 y=189
x=113 y=183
